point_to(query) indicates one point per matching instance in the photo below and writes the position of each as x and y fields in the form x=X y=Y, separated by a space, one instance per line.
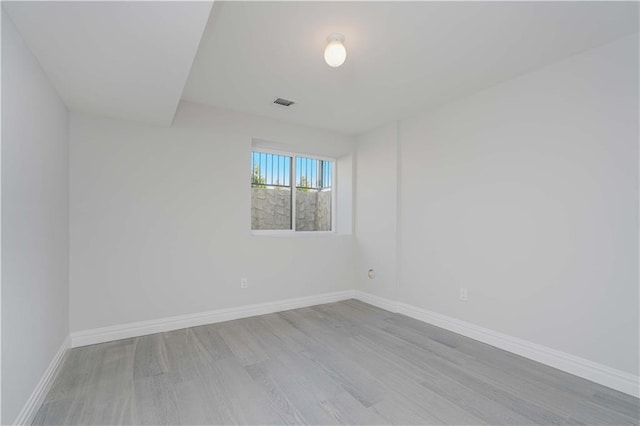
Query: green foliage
x=304 y=185
x=257 y=180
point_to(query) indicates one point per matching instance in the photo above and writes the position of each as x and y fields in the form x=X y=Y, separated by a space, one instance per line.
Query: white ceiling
x=116 y=59
x=131 y=59
x=402 y=57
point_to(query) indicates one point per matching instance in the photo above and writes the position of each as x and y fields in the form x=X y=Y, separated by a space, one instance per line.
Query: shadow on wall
x=271 y=209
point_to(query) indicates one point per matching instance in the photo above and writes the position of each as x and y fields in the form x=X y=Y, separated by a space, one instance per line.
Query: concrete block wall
x=271 y=209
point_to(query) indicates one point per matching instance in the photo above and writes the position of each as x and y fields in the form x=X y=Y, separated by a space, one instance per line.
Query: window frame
x=292 y=232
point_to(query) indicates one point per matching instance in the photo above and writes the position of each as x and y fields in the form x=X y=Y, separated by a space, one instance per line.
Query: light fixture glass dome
x=335 y=53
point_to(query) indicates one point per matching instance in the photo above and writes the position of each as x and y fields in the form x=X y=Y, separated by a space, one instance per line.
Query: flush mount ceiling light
x=335 y=53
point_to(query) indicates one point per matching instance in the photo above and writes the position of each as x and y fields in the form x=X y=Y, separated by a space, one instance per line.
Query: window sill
x=295 y=234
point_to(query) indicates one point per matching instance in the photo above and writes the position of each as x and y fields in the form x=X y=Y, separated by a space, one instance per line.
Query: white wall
x=527 y=194
x=161 y=218
x=35 y=222
x=375 y=210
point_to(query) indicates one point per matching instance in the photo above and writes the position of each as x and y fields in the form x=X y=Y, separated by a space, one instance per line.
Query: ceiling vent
x=283 y=102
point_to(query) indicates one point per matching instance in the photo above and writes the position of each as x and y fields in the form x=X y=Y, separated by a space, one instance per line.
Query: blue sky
x=276 y=169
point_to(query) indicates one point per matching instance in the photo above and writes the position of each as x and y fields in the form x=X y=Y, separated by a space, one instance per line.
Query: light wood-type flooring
x=339 y=363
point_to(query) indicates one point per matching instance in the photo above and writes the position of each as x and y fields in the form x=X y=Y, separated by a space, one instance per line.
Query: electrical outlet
x=244 y=283
x=464 y=294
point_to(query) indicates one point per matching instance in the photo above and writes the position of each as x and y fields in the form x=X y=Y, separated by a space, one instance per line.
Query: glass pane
x=313 y=194
x=270 y=191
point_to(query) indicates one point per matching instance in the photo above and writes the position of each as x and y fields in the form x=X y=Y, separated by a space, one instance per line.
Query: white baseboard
x=142 y=328
x=590 y=370
x=380 y=302
x=28 y=412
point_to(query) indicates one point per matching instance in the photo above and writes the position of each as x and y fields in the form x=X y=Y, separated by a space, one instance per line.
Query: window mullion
x=293 y=192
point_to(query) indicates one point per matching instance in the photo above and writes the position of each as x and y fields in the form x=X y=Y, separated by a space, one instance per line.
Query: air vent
x=283 y=102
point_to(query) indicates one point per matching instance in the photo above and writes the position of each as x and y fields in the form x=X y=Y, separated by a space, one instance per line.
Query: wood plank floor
x=340 y=363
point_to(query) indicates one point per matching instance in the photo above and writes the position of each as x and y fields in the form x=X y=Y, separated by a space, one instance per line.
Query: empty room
x=324 y=213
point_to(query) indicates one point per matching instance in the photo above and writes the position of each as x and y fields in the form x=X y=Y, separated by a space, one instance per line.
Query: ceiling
x=135 y=60
x=402 y=56
x=116 y=59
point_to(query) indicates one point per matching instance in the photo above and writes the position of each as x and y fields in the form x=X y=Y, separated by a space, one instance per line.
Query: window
x=282 y=180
